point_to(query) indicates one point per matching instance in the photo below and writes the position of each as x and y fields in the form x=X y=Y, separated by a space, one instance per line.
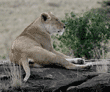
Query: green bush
x=85 y=34
x=59 y=46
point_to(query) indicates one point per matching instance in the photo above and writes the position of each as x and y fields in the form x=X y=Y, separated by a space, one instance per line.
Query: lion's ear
x=50 y=13
x=45 y=16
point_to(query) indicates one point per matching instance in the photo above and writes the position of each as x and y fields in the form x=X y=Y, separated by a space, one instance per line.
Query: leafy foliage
x=85 y=35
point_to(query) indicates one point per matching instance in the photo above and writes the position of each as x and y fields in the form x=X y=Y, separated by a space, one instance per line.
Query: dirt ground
x=15 y=15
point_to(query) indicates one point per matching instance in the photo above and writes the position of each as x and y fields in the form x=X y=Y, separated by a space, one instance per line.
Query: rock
x=4 y=77
x=55 y=80
x=100 y=83
x=59 y=80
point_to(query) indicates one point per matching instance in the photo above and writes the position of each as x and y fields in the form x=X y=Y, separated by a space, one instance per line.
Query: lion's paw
x=79 y=61
x=88 y=65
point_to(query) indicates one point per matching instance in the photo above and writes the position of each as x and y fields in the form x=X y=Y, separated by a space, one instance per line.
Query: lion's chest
x=46 y=44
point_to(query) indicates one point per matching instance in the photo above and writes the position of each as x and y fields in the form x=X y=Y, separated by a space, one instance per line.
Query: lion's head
x=52 y=24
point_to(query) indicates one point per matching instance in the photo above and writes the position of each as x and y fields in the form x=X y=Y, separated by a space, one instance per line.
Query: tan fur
x=34 y=43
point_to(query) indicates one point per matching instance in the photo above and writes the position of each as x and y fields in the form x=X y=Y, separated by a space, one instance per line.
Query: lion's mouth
x=60 y=32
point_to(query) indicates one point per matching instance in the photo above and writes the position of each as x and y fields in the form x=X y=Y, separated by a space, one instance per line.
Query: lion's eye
x=56 y=19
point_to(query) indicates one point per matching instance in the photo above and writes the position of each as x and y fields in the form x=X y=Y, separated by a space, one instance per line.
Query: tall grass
x=102 y=67
x=15 y=75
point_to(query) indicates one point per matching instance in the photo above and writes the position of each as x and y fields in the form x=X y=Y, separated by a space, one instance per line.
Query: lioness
x=35 y=43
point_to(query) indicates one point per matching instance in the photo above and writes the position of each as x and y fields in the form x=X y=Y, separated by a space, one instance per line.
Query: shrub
x=85 y=34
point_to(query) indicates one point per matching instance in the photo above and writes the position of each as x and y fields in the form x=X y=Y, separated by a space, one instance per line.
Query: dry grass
x=101 y=66
x=14 y=73
x=15 y=15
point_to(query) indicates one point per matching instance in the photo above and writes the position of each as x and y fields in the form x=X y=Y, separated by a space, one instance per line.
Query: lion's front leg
x=70 y=59
x=76 y=60
x=78 y=63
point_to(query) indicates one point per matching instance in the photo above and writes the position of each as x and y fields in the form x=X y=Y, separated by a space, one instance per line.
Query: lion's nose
x=63 y=26
x=59 y=31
